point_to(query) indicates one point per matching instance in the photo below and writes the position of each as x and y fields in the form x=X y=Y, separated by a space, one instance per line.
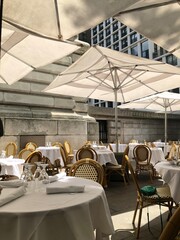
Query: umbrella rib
x=57 y=18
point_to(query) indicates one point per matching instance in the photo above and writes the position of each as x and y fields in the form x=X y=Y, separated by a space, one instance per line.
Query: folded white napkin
x=12 y=183
x=10 y=157
x=55 y=178
x=15 y=193
x=65 y=188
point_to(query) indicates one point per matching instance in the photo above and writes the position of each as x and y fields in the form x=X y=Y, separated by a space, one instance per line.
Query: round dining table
x=11 y=166
x=171 y=175
x=72 y=216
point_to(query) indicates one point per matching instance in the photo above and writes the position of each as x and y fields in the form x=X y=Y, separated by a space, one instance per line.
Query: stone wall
x=137 y=125
x=29 y=113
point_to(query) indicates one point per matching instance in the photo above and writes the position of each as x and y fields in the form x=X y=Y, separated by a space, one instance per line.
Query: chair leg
x=135 y=212
x=139 y=222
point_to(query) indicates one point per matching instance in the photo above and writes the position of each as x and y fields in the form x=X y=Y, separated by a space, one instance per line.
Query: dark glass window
x=108 y=41
x=108 y=31
x=100 y=26
x=101 y=44
x=145 y=49
x=115 y=37
x=171 y=59
x=110 y=104
x=134 y=50
x=133 y=38
x=94 y=40
x=124 y=31
x=124 y=43
x=94 y=30
x=107 y=22
x=102 y=130
x=101 y=36
x=116 y=46
x=115 y=26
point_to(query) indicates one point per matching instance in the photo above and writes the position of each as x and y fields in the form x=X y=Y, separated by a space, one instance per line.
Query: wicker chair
x=89 y=169
x=67 y=165
x=35 y=156
x=11 y=149
x=142 y=155
x=120 y=168
x=31 y=145
x=68 y=151
x=24 y=153
x=86 y=152
x=163 y=197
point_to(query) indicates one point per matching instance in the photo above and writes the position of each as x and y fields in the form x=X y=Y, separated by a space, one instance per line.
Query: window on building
x=108 y=31
x=145 y=49
x=108 y=41
x=116 y=46
x=110 y=104
x=176 y=90
x=134 y=50
x=102 y=130
x=124 y=43
x=171 y=59
x=115 y=37
x=115 y=26
x=101 y=36
x=107 y=22
x=133 y=37
x=94 y=30
x=124 y=31
x=101 y=26
x=95 y=40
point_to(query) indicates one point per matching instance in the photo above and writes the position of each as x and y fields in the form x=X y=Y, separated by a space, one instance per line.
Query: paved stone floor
x=122 y=200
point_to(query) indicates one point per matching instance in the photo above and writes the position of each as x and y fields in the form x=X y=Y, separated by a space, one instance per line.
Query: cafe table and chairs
x=69 y=208
x=52 y=153
x=104 y=155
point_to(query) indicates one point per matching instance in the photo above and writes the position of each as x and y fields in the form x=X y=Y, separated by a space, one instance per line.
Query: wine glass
x=38 y=170
x=43 y=174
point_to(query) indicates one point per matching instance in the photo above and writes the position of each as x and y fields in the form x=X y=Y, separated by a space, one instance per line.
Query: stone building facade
x=29 y=114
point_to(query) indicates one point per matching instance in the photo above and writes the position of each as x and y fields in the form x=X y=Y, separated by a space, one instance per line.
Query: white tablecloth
x=52 y=153
x=12 y=166
x=171 y=175
x=41 y=216
x=121 y=147
x=104 y=156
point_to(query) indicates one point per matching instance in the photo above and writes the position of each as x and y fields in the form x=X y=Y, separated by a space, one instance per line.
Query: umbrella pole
x=116 y=119
x=165 y=126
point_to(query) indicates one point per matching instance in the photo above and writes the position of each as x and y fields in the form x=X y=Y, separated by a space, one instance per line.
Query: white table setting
x=52 y=153
x=68 y=207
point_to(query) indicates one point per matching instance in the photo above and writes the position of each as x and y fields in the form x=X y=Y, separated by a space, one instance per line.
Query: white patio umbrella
x=60 y=19
x=105 y=74
x=157 y=20
x=21 y=53
x=163 y=102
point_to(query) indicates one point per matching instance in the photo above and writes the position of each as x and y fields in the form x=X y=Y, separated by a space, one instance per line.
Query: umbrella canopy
x=21 y=53
x=60 y=19
x=105 y=74
x=157 y=20
x=165 y=102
